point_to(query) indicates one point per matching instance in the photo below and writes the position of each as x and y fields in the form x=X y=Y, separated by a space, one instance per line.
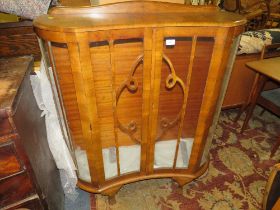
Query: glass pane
x=130 y=158
x=201 y=63
x=110 y=162
x=118 y=79
x=175 y=62
x=82 y=162
x=184 y=153
x=129 y=85
x=164 y=154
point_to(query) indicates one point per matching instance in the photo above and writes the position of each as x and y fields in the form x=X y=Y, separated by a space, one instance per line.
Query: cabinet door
x=185 y=74
x=105 y=83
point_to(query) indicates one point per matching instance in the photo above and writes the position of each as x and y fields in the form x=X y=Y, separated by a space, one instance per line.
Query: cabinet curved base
x=112 y=186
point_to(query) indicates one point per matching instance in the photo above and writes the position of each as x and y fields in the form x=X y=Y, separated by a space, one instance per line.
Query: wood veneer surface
x=12 y=73
x=129 y=15
x=121 y=85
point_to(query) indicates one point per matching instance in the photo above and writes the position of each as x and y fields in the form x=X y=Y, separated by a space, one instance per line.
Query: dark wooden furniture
x=28 y=175
x=240 y=82
x=138 y=78
x=242 y=79
x=18 y=39
x=266 y=68
x=271 y=199
x=257 y=12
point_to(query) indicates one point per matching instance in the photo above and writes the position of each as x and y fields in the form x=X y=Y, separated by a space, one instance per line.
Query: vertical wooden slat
x=148 y=40
x=78 y=48
x=186 y=94
x=87 y=72
x=155 y=87
x=114 y=101
x=219 y=55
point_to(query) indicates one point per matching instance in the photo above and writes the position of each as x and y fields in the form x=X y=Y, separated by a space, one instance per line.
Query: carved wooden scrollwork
x=170 y=82
x=131 y=85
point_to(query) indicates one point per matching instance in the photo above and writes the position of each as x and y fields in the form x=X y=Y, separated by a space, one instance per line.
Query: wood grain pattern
x=18 y=39
x=10 y=76
x=75 y=2
x=146 y=97
x=6 y=127
x=114 y=101
x=17 y=181
x=20 y=184
x=129 y=15
x=121 y=85
x=186 y=93
x=10 y=164
x=157 y=55
x=241 y=81
x=223 y=40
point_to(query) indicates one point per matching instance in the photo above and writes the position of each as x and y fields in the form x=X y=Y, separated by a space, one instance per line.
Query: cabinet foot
x=112 y=191
x=182 y=180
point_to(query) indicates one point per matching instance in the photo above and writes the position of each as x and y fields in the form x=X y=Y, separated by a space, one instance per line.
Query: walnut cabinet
x=137 y=86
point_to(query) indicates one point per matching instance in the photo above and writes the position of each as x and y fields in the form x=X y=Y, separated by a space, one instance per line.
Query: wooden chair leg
x=249 y=99
x=253 y=101
x=241 y=110
x=249 y=113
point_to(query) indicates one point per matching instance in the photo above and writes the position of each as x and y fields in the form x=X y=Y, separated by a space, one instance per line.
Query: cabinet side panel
x=32 y=130
x=67 y=87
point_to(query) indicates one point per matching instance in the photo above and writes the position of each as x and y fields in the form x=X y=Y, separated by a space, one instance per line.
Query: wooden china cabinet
x=139 y=86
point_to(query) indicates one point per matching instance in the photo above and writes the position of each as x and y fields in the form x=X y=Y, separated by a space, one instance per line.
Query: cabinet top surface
x=12 y=71
x=134 y=14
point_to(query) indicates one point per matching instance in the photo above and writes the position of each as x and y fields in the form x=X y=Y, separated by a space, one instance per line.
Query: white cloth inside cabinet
x=165 y=152
x=129 y=161
x=130 y=157
x=44 y=97
x=82 y=162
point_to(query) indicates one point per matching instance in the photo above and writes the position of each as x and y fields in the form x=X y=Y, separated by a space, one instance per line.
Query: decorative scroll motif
x=132 y=86
x=170 y=82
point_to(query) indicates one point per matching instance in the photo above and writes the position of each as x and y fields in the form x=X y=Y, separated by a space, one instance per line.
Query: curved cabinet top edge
x=134 y=14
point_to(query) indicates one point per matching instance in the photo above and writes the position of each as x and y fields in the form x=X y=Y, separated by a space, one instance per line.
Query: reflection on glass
x=129 y=160
x=165 y=152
